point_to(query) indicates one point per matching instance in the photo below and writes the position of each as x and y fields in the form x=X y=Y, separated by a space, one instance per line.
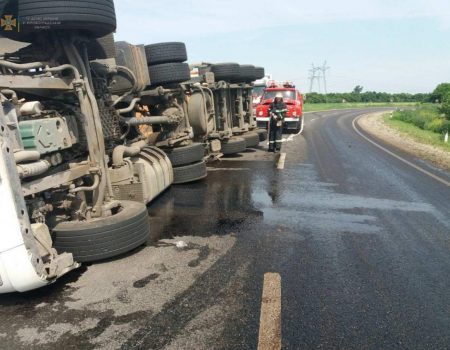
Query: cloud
x=145 y=21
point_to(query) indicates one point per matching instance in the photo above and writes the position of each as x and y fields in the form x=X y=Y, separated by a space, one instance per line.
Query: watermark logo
x=8 y=23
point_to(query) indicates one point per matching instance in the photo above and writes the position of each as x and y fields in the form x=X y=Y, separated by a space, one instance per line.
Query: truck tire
x=102 y=48
x=185 y=155
x=251 y=139
x=169 y=73
x=105 y=237
x=259 y=73
x=166 y=53
x=262 y=133
x=248 y=73
x=233 y=146
x=229 y=72
x=189 y=173
x=95 y=18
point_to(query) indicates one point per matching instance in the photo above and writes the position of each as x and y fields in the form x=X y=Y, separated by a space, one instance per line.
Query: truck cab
x=294 y=103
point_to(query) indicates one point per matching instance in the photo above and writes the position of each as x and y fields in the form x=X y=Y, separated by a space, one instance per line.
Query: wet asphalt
x=361 y=241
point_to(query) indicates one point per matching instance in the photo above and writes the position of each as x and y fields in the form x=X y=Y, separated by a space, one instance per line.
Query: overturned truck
x=67 y=156
x=92 y=130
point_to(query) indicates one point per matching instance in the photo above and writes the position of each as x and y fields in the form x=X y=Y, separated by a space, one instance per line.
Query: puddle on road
x=297 y=198
x=211 y=207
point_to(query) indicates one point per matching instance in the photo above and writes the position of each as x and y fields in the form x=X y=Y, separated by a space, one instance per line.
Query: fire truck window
x=289 y=95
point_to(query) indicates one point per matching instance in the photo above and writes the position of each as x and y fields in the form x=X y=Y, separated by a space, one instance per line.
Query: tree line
x=358 y=96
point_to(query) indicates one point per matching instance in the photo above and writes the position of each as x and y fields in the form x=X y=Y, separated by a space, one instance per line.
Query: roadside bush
x=426 y=118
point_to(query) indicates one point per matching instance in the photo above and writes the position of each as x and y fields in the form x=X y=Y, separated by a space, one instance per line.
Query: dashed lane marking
x=281 y=161
x=418 y=168
x=270 y=320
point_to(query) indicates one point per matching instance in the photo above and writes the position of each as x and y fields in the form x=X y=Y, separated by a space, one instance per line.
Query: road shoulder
x=374 y=125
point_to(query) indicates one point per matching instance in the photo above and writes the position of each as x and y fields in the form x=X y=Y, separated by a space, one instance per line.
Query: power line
x=318 y=75
x=325 y=68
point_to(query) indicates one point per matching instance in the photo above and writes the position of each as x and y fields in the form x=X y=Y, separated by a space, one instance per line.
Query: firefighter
x=277 y=112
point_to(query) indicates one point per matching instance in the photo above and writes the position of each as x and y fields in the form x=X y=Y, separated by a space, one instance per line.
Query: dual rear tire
x=188 y=164
x=166 y=63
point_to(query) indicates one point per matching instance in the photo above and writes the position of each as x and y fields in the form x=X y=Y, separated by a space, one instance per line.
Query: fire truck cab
x=293 y=100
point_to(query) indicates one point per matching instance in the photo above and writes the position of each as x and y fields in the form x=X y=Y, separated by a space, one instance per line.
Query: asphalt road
x=360 y=239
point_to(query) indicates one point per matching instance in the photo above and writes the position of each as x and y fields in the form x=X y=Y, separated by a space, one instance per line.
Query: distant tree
x=314 y=97
x=358 y=89
x=439 y=93
x=445 y=106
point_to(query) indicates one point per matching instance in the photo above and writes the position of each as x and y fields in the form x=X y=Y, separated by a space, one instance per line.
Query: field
x=314 y=107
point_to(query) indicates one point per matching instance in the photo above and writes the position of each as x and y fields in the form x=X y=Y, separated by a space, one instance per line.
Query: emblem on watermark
x=8 y=23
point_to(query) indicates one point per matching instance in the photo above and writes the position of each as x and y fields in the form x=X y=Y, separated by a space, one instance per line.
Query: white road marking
x=270 y=320
x=418 y=168
x=281 y=161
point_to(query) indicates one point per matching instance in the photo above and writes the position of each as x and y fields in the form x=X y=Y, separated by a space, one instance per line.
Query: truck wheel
x=259 y=73
x=189 y=173
x=105 y=237
x=201 y=117
x=102 y=48
x=233 y=145
x=251 y=139
x=247 y=73
x=96 y=18
x=169 y=73
x=165 y=53
x=262 y=133
x=185 y=155
x=228 y=72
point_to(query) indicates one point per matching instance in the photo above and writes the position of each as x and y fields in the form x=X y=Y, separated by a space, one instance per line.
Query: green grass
x=314 y=107
x=416 y=133
x=426 y=117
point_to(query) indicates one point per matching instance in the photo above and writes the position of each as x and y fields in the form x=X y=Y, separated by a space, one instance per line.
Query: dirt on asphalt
x=374 y=125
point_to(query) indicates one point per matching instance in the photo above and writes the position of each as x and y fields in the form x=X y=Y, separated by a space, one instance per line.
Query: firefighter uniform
x=277 y=112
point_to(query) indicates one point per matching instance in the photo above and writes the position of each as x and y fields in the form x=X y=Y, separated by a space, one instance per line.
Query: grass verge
x=416 y=133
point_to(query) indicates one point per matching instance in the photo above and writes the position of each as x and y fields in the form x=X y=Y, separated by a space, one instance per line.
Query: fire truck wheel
x=262 y=133
x=185 y=155
x=102 y=48
x=248 y=73
x=233 y=146
x=169 y=73
x=105 y=237
x=259 y=73
x=251 y=139
x=165 y=53
x=95 y=18
x=189 y=173
x=228 y=72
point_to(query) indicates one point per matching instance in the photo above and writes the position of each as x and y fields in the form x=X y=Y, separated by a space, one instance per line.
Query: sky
x=391 y=46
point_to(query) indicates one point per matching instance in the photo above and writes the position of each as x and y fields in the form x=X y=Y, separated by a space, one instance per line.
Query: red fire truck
x=293 y=100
